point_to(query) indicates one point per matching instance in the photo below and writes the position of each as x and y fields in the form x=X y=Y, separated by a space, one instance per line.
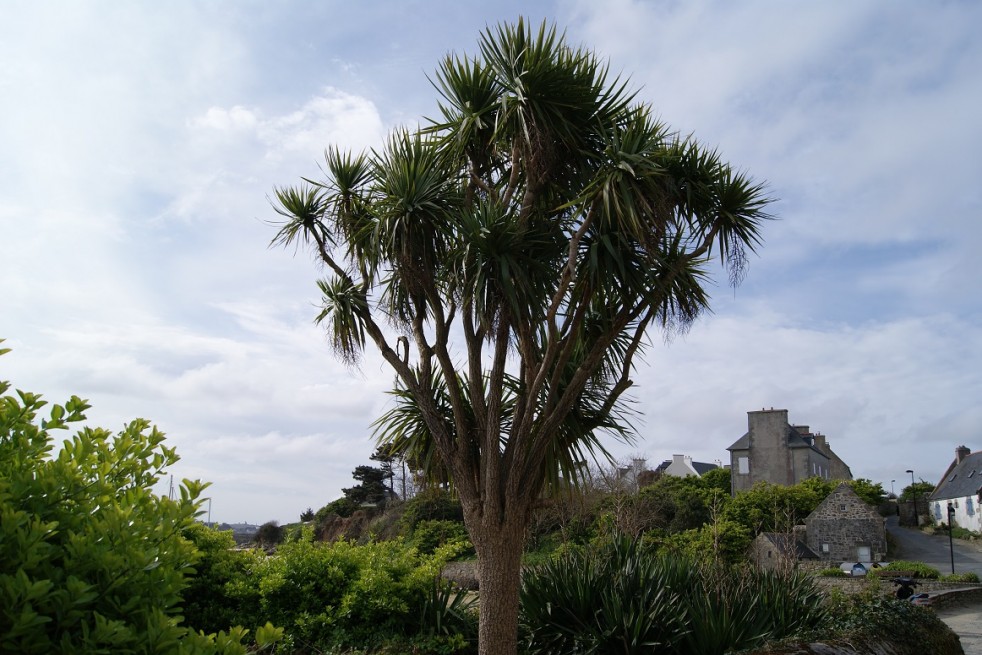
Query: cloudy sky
x=139 y=143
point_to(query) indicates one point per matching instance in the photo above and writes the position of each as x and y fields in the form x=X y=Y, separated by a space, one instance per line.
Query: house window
x=937 y=511
x=743 y=465
x=842 y=507
x=969 y=507
x=825 y=548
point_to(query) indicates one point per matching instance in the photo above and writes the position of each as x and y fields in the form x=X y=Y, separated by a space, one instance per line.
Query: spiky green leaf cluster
x=520 y=245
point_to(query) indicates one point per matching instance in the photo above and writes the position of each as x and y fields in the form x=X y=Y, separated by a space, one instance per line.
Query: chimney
x=802 y=429
x=820 y=441
x=961 y=453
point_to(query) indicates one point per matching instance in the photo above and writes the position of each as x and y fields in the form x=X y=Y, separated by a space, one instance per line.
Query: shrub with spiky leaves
x=620 y=598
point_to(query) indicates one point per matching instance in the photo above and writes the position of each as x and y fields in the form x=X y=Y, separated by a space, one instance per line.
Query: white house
x=961 y=489
x=682 y=466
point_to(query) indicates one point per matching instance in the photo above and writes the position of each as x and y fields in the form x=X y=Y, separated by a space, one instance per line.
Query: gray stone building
x=777 y=452
x=776 y=551
x=844 y=528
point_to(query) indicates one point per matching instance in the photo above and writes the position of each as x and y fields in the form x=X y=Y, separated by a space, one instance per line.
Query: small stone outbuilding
x=776 y=551
x=844 y=528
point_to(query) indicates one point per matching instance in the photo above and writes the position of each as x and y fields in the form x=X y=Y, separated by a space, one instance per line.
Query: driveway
x=933 y=550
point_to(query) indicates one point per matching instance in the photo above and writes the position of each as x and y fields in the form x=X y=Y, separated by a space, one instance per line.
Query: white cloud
x=138 y=145
x=217 y=118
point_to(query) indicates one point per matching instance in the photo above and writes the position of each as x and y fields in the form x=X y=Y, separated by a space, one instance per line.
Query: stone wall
x=951 y=590
x=841 y=524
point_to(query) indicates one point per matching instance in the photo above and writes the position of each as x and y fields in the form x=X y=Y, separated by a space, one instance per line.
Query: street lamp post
x=951 y=546
x=913 y=493
x=892 y=493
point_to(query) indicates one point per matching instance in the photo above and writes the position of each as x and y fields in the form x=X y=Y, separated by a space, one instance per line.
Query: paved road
x=967 y=624
x=933 y=550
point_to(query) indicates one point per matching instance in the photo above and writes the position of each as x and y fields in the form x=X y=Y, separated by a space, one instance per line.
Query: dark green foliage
x=430 y=535
x=342 y=507
x=738 y=608
x=961 y=577
x=307 y=515
x=963 y=533
x=875 y=619
x=919 y=490
x=91 y=559
x=269 y=534
x=615 y=600
x=723 y=541
x=871 y=492
x=431 y=505
x=620 y=598
x=329 y=595
x=776 y=508
x=718 y=479
x=919 y=569
x=446 y=611
x=222 y=592
x=372 y=487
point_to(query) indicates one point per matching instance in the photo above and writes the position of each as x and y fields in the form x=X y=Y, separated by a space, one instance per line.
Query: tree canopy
x=508 y=260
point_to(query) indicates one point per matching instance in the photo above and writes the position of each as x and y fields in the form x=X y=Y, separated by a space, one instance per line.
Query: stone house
x=844 y=528
x=779 y=551
x=682 y=466
x=960 y=487
x=777 y=452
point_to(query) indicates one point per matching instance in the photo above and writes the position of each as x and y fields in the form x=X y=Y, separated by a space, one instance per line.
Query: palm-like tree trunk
x=499 y=551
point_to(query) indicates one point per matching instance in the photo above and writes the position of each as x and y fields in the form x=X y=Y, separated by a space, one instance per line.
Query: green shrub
x=960 y=577
x=875 y=619
x=430 y=505
x=963 y=533
x=446 y=612
x=342 y=595
x=618 y=597
x=430 y=535
x=224 y=590
x=919 y=569
x=832 y=573
x=595 y=602
x=343 y=507
x=91 y=559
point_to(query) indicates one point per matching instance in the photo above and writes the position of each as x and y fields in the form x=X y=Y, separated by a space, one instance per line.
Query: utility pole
x=951 y=545
x=913 y=493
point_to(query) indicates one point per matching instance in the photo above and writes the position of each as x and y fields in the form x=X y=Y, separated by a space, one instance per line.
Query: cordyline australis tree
x=508 y=261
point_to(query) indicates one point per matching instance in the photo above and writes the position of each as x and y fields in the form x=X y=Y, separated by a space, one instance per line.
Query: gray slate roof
x=785 y=543
x=701 y=467
x=794 y=441
x=961 y=480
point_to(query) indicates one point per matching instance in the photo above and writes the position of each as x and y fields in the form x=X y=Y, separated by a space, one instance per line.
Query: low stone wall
x=965 y=595
x=969 y=592
x=461 y=574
